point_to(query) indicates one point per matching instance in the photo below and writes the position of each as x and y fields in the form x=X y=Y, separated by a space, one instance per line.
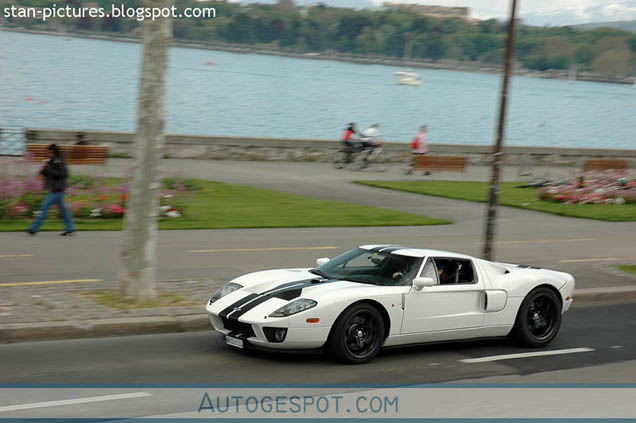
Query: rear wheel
x=539 y=318
x=362 y=160
x=339 y=159
x=380 y=161
x=357 y=335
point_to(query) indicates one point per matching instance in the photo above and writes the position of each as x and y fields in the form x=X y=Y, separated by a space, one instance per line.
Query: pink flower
x=115 y=209
x=18 y=210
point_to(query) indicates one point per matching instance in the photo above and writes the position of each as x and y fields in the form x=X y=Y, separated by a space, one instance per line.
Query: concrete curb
x=593 y=296
x=74 y=329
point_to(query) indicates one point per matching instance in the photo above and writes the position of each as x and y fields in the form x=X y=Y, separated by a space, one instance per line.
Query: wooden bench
x=441 y=163
x=73 y=154
x=604 y=164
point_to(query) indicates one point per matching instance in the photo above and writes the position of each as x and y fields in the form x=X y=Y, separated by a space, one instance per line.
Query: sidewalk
x=64 y=311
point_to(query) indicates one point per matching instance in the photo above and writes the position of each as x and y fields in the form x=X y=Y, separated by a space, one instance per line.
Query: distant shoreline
x=341 y=57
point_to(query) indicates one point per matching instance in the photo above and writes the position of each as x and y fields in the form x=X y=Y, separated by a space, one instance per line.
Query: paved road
x=601 y=334
x=223 y=254
x=202 y=357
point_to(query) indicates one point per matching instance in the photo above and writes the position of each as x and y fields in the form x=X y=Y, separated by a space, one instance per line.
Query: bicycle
x=360 y=156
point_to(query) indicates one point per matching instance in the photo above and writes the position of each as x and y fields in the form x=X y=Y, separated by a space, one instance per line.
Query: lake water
x=58 y=82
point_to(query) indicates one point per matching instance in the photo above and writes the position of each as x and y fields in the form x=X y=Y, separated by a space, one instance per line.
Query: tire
x=361 y=161
x=357 y=335
x=339 y=159
x=538 y=319
x=381 y=161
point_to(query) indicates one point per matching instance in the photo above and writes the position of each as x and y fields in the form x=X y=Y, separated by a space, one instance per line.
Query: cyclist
x=370 y=139
x=349 y=138
x=372 y=136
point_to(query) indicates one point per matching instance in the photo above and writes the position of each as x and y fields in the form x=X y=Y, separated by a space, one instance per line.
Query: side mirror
x=420 y=283
x=321 y=261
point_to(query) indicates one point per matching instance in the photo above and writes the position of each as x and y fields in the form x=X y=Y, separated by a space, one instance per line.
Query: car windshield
x=371 y=267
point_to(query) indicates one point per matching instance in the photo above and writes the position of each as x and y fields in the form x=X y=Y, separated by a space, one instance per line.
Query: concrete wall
x=247 y=148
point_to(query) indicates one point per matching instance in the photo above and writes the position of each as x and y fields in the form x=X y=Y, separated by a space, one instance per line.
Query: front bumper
x=251 y=331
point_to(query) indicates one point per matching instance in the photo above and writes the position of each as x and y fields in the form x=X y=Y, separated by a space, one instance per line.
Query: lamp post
x=493 y=198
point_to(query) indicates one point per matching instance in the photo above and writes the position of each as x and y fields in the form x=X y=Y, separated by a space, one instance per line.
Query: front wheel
x=357 y=335
x=539 y=318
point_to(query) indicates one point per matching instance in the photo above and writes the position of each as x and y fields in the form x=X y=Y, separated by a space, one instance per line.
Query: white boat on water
x=408 y=77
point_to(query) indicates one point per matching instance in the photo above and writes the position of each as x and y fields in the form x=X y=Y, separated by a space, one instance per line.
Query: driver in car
x=441 y=268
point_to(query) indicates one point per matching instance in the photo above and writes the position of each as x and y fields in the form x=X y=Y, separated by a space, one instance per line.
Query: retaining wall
x=251 y=148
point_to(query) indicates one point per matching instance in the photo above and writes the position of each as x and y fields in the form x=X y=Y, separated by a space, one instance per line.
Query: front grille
x=240 y=327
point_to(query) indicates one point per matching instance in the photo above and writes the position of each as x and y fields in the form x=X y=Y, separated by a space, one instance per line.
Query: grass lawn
x=629 y=268
x=525 y=198
x=114 y=300
x=223 y=206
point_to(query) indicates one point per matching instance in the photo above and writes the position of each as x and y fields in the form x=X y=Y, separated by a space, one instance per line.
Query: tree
x=138 y=254
x=613 y=63
x=613 y=56
x=584 y=54
x=632 y=42
x=436 y=49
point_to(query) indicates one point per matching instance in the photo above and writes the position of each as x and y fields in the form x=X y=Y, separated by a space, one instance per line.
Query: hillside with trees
x=378 y=32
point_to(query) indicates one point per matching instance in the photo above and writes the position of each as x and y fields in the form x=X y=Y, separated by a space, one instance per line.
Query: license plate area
x=235 y=342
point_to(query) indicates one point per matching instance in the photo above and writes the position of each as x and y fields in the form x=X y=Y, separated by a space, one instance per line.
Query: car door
x=453 y=303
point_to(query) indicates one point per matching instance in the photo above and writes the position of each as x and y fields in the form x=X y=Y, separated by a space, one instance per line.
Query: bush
x=88 y=197
x=609 y=187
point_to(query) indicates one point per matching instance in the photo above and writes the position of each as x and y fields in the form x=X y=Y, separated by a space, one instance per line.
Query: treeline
x=392 y=33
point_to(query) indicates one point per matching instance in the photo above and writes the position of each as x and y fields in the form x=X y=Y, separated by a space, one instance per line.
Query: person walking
x=55 y=175
x=419 y=145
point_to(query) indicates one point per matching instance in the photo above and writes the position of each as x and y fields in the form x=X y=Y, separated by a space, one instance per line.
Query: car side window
x=453 y=271
x=429 y=271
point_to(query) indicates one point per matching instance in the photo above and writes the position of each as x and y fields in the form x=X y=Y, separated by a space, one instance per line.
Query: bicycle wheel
x=362 y=160
x=380 y=161
x=339 y=159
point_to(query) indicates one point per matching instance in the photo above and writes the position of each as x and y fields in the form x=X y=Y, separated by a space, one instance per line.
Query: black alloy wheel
x=357 y=335
x=539 y=318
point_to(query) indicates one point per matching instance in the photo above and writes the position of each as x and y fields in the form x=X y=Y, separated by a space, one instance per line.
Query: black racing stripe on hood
x=289 y=294
x=240 y=302
x=287 y=291
x=286 y=285
x=239 y=311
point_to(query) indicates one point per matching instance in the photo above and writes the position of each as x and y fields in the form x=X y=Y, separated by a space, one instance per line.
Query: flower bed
x=88 y=197
x=609 y=187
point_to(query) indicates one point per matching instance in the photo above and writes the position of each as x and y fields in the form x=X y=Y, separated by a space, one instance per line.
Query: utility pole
x=493 y=199
x=138 y=254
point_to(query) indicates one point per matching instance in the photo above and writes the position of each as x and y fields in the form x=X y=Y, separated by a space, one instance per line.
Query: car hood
x=282 y=282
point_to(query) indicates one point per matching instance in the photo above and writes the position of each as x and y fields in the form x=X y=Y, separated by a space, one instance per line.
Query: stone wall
x=247 y=148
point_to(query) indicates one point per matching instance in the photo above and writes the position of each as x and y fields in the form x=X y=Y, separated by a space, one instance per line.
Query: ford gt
x=379 y=296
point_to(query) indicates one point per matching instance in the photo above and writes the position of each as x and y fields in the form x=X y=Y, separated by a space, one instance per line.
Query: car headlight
x=294 y=307
x=226 y=289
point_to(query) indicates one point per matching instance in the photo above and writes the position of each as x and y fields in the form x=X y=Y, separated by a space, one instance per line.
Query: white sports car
x=382 y=295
